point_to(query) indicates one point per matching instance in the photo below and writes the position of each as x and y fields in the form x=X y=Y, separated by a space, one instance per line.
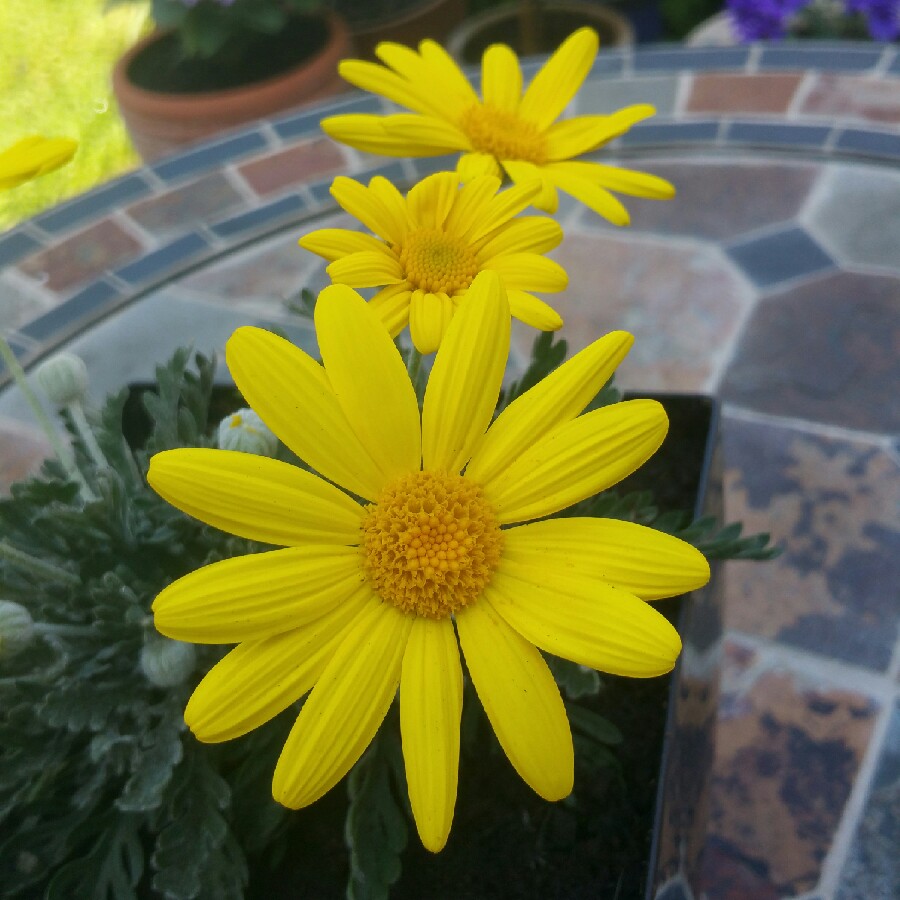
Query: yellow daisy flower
x=432 y=243
x=33 y=156
x=382 y=591
x=505 y=128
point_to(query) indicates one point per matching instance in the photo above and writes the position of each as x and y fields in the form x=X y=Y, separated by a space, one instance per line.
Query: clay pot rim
x=313 y=71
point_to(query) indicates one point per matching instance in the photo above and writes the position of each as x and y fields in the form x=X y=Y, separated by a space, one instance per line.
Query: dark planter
x=636 y=830
x=167 y=104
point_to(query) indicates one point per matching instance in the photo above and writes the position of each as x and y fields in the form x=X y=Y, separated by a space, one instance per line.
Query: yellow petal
x=431 y=695
x=501 y=78
x=377 y=79
x=532 y=311
x=583 y=134
x=456 y=93
x=344 y=709
x=403 y=134
x=502 y=207
x=465 y=382
x=291 y=394
x=402 y=59
x=559 y=78
x=577 y=460
x=256 y=596
x=586 y=621
x=644 y=562
x=590 y=194
x=528 y=234
x=259 y=679
x=521 y=700
x=392 y=306
x=33 y=156
x=364 y=204
x=333 y=243
x=255 y=497
x=526 y=172
x=475 y=165
x=393 y=202
x=625 y=181
x=471 y=200
x=556 y=399
x=528 y=271
x=432 y=199
x=429 y=318
x=368 y=268
x=370 y=381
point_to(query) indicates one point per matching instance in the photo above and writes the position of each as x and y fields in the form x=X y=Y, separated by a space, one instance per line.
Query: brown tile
x=203 y=199
x=758 y=194
x=827 y=351
x=765 y=93
x=832 y=506
x=22 y=450
x=293 y=166
x=853 y=97
x=82 y=257
x=682 y=303
x=787 y=756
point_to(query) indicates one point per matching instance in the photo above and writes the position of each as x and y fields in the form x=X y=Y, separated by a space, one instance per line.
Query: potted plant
x=215 y=64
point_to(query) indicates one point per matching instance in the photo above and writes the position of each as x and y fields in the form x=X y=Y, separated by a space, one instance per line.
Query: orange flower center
x=437 y=262
x=431 y=543
x=503 y=134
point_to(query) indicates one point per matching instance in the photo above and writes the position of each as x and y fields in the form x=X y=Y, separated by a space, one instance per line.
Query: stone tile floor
x=773 y=281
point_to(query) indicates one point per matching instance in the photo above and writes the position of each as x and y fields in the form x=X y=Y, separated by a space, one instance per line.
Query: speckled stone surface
x=773 y=280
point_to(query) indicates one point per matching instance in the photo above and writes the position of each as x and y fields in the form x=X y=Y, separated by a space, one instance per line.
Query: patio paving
x=772 y=280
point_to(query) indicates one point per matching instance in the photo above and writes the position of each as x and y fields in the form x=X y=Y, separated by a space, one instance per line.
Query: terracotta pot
x=559 y=19
x=160 y=122
x=427 y=19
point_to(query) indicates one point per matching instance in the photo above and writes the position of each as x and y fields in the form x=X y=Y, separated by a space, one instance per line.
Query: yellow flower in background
x=430 y=245
x=32 y=157
x=411 y=530
x=504 y=131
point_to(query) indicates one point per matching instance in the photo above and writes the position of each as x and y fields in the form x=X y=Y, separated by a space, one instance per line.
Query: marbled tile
x=825 y=351
x=18 y=304
x=872 y=871
x=845 y=96
x=682 y=302
x=605 y=96
x=757 y=194
x=718 y=92
x=295 y=166
x=198 y=201
x=779 y=256
x=787 y=755
x=832 y=505
x=22 y=449
x=82 y=257
x=857 y=215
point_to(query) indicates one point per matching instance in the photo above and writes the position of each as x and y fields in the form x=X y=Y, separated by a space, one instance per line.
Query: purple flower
x=761 y=20
x=882 y=17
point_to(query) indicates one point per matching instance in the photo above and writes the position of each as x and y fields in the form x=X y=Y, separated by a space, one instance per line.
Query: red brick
x=294 y=166
x=767 y=93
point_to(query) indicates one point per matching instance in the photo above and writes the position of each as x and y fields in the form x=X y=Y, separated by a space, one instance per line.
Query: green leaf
x=160 y=752
x=577 y=681
x=592 y=725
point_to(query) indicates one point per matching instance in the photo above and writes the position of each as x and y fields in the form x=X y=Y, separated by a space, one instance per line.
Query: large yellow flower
x=368 y=591
x=506 y=128
x=433 y=243
x=33 y=156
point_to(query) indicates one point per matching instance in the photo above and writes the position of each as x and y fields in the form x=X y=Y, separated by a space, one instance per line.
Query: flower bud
x=63 y=378
x=16 y=628
x=167 y=663
x=245 y=431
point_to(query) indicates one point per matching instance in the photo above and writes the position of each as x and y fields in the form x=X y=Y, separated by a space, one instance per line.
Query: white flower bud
x=16 y=628
x=245 y=431
x=167 y=663
x=63 y=378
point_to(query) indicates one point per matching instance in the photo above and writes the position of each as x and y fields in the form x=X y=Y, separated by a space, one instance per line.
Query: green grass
x=56 y=60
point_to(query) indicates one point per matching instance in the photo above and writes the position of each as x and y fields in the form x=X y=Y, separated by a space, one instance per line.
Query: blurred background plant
x=54 y=84
x=760 y=20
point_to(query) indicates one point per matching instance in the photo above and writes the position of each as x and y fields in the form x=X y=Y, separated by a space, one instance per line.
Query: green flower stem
x=63 y=453
x=32 y=563
x=414 y=368
x=87 y=435
x=63 y=630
